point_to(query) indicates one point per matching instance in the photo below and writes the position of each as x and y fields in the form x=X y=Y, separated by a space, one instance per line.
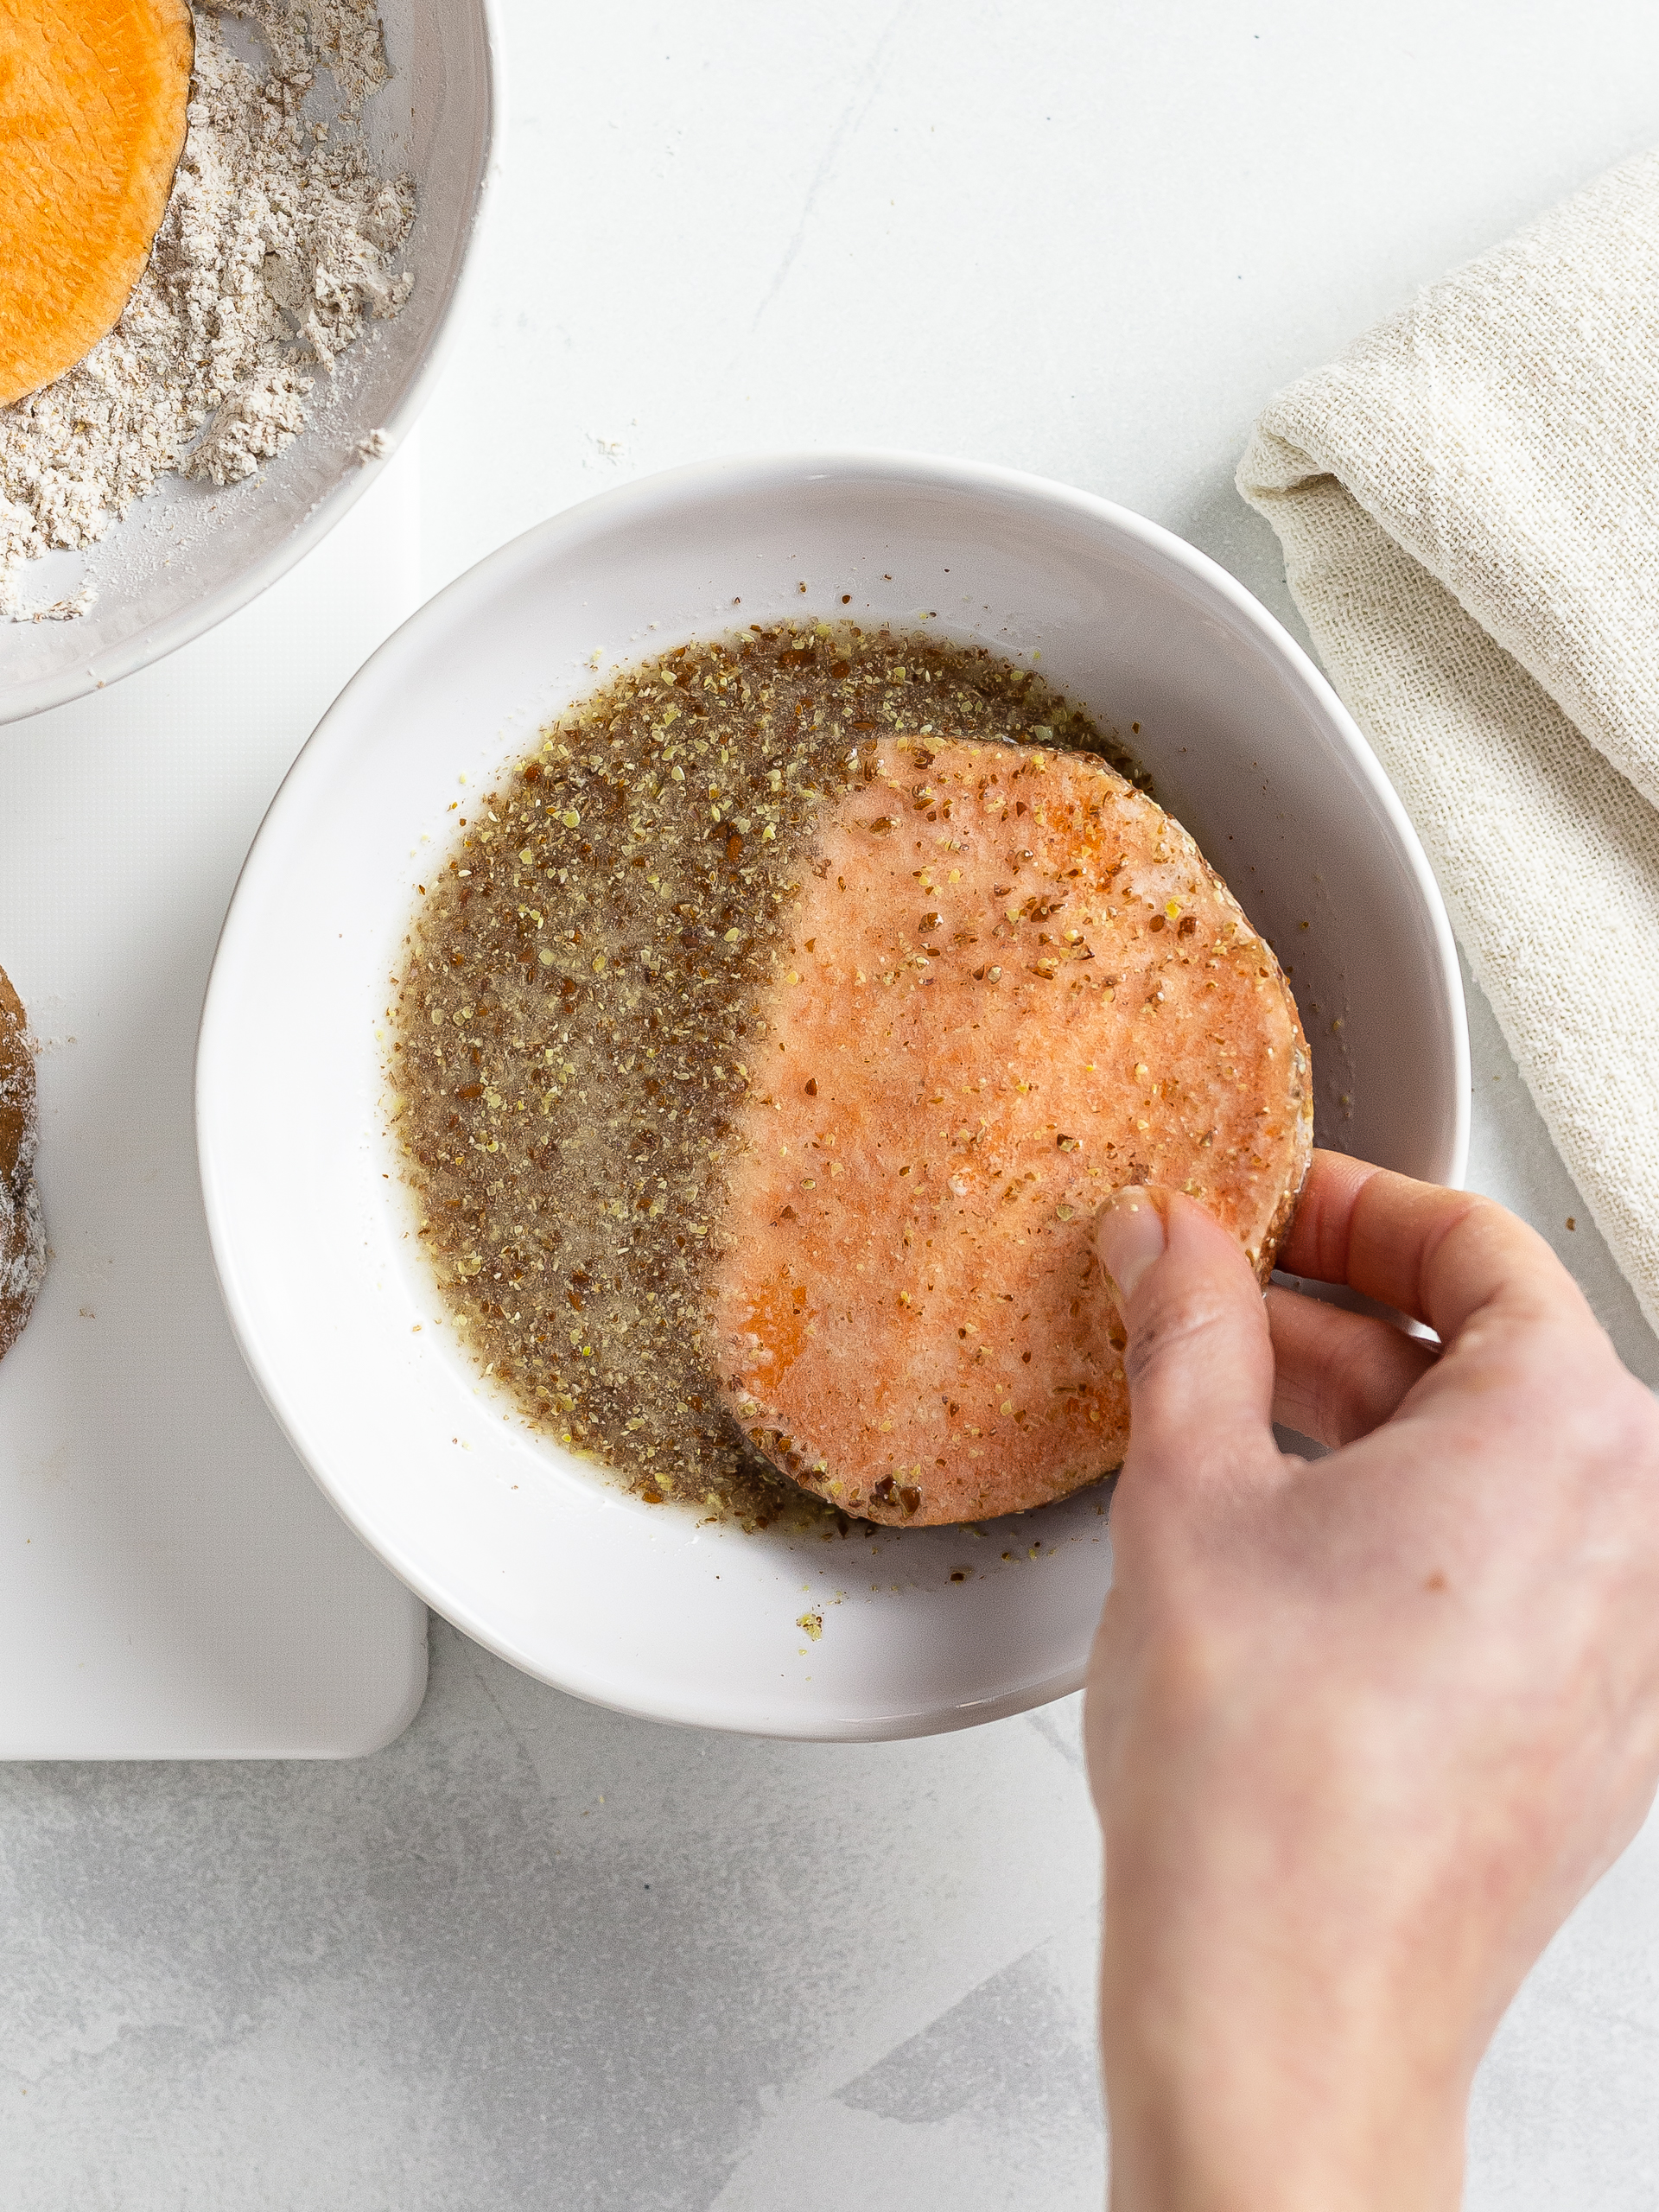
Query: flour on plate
x=279 y=241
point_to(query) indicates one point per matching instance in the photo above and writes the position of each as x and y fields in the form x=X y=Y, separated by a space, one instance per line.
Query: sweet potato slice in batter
x=93 y=96
x=967 y=1047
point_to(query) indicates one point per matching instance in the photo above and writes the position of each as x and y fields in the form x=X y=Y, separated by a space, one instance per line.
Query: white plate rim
x=20 y=701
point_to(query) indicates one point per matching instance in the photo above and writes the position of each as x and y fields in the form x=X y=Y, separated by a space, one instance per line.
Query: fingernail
x=1129 y=1230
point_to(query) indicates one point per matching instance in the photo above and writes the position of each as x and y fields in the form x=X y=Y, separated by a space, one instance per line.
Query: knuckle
x=1630 y=1418
x=1175 y=1328
x=1612 y=1416
x=1366 y=1388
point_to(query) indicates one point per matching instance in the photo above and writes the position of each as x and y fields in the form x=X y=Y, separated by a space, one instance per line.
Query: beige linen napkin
x=1469 y=506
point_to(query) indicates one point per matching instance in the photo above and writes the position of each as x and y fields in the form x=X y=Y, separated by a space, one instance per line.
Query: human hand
x=1362 y=1730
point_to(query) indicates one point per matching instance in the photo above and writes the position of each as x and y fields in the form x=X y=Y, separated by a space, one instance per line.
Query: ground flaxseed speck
x=576 y=1017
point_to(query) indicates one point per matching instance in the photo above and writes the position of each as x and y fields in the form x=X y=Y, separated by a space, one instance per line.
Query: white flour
x=278 y=241
x=22 y=1247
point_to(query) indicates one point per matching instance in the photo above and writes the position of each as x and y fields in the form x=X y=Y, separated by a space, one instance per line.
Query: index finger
x=1439 y=1256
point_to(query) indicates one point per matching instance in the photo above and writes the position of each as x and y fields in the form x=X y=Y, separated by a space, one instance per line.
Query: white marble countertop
x=536 y=1955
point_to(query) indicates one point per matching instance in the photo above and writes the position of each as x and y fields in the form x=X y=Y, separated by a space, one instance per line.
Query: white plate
x=636 y=1606
x=171 y=1584
x=192 y=554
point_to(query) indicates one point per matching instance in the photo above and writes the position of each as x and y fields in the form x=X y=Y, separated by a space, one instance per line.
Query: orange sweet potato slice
x=960 y=1062
x=93 y=96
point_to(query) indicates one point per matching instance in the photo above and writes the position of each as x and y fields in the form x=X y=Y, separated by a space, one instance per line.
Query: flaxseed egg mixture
x=764 y=1044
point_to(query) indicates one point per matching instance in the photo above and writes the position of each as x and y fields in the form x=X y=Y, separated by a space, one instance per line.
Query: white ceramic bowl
x=167 y=573
x=636 y=1606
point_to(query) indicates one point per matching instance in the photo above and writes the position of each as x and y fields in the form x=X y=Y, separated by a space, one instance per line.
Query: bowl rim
x=677 y=488
x=20 y=701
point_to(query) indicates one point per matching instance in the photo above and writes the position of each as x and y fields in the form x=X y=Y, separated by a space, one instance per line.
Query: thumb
x=1199 y=1359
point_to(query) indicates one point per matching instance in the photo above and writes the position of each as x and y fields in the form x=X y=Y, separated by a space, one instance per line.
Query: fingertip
x=1436 y=1254
x=1199 y=1358
x=1130 y=1237
x=1316 y=1245
x=1339 y=1376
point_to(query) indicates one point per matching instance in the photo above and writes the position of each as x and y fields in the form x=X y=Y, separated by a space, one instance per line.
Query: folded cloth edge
x=1503 y=428
x=1548 y=859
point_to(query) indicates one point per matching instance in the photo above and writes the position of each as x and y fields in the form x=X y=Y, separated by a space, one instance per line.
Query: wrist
x=1242 y=2100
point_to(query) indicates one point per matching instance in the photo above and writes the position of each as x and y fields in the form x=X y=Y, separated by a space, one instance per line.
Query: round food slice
x=22 y=1235
x=1011 y=984
x=93 y=96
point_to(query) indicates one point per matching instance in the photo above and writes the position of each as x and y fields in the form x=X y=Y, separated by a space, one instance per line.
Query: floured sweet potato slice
x=93 y=96
x=961 y=1061
x=23 y=1237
